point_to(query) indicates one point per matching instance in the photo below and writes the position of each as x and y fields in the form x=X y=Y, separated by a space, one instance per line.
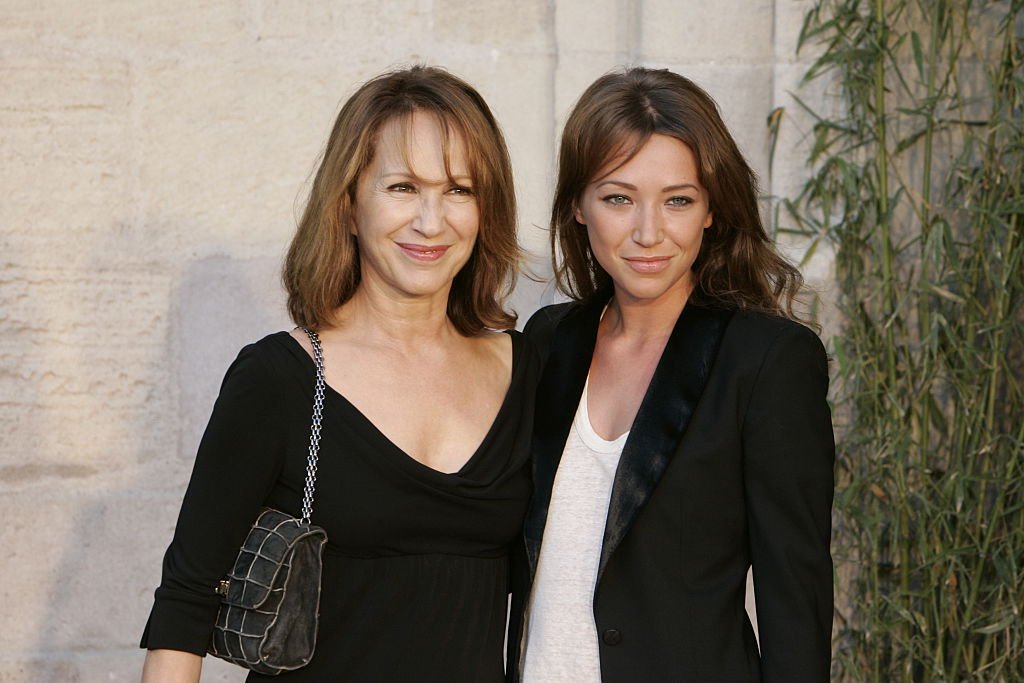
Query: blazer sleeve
x=789 y=452
x=236 y=467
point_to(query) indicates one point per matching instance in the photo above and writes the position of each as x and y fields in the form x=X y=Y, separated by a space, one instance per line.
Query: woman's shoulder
x=495 y=348
x=539 y=331
x=540 y=328
x=513 y=351
x=755 y=340
x=266 y=362
x=548 y=317
x=271 y=347
x=767 y=329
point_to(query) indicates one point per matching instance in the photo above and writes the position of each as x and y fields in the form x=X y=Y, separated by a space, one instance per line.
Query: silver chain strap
x=314 y=437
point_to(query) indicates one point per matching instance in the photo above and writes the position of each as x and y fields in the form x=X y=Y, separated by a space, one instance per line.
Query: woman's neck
x=646 y=319
x=402 y=323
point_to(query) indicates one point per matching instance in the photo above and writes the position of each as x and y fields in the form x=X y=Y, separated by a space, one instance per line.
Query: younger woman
x=682 y=431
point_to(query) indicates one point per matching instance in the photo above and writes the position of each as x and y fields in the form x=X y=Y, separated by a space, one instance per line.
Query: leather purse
x=270 y=600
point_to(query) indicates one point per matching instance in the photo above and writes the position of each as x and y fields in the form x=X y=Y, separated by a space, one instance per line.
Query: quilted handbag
x=270 y=600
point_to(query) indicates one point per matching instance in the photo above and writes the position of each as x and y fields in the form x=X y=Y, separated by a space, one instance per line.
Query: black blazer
x=728 y=464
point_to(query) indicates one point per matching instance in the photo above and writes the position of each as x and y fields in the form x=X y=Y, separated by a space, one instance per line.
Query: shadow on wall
x=223 y=304
x=109 y=528
x=103 y=585
x=116 y=527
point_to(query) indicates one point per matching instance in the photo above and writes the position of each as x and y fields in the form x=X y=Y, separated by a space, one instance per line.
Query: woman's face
x=645 y=220
x=415 y=226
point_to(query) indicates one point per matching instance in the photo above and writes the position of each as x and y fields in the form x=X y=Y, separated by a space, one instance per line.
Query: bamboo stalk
x=929 y=269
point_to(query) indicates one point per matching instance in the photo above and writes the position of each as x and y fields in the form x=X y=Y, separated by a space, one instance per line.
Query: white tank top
x=561 y=643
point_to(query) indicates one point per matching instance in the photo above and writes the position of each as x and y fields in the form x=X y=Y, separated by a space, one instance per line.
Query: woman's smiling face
x=646 y=218
x=415 y=224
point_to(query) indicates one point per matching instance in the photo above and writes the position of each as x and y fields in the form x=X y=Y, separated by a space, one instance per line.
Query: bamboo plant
x=916 y=184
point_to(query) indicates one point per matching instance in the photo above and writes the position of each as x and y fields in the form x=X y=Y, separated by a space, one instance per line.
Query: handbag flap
x=266 y=552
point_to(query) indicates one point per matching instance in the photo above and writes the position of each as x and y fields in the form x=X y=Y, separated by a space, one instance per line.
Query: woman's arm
x=788 y=452
x=171 y=666
x=238 y=464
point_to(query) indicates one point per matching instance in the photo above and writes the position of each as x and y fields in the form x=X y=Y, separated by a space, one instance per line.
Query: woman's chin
x=418 y=289
x=649 y=290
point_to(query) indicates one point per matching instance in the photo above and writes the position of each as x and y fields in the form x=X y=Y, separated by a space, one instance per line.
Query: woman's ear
x=709 y=220
x=578 y=215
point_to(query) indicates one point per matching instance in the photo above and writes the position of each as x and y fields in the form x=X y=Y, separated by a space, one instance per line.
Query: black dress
x=415 y=579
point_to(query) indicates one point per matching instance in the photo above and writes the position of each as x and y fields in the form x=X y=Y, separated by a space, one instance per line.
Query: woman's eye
x=616 y=199
x=460 y=191
x=679 y=201
x=401 y=187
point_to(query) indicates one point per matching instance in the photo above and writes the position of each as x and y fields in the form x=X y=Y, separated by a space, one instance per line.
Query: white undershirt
x=561 y=644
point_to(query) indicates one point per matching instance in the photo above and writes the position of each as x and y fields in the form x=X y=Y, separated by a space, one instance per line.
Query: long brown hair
x=321 y=271
x=737 y=265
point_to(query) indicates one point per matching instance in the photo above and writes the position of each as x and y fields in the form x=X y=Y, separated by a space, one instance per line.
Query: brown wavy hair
x=321 y=270
x=737 y=266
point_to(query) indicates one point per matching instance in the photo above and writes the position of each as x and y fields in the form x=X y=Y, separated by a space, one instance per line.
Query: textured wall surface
x=153 y=156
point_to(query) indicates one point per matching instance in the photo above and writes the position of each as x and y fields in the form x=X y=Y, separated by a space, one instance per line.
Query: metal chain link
x=314 y=437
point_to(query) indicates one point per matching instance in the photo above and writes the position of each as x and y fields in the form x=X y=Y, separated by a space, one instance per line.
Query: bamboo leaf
x=997 y=626
x=946 y=294
x=915 y=41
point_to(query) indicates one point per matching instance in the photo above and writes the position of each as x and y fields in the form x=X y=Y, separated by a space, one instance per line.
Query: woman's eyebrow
x=618 y=183
x=409 y=175
x=669 y=188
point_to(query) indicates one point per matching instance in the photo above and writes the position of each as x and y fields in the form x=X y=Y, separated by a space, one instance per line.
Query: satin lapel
x=661 y=420
x=558 y=396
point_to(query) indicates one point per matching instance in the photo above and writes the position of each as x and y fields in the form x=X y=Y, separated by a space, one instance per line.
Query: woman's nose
x=649 y=229
x=430 y=221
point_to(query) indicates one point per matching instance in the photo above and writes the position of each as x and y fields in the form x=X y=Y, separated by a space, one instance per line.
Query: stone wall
x=153 y=157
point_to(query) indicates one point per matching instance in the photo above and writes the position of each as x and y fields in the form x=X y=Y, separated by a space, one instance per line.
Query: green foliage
x=917 y=186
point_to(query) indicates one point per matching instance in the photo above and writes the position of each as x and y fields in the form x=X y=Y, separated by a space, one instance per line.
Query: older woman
x=400 y=262
x=682 y=430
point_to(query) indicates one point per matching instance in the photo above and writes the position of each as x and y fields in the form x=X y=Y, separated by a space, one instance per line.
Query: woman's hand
x=171 y=666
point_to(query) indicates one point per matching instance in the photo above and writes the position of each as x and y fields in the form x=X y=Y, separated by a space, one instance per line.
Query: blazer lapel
x=661 y=420
x=558 y=396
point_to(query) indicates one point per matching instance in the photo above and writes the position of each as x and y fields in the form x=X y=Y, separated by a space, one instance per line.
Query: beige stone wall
x=153 y=156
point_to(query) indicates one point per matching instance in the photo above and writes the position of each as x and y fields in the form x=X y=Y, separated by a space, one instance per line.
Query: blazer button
x=612 y=637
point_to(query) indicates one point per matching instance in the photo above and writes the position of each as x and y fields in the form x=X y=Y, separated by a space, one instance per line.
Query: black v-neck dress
x=415 y=579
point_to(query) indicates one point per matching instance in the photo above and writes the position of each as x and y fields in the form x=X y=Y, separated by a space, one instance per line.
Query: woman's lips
x=424 y=253
x=648 y=264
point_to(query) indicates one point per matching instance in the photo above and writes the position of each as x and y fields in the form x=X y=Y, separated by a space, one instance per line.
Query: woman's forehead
x=629 y=146
x=422 y=143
